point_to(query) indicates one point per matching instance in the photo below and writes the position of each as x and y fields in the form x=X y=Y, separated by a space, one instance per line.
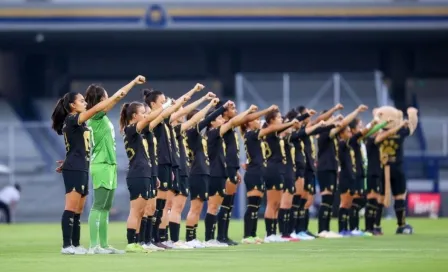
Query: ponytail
x=94 y=94
x=150 y=95
x=127 y=110
x=61 y=110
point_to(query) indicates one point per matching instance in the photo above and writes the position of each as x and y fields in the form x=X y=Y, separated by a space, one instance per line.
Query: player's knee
x=212 y=208
x=401 y=196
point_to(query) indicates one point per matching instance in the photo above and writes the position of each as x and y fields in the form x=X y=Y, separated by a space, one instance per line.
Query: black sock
x=283 y=222
x=275 y=226
x=131 y=235
x=142 y=232
x=155 y=231
x=210 y=221
x=174 y=231
x=379 y=215
x=307 y=220
x=229 y=217
x=222 y=216
x=354 y=213
x=370 y=214
x=255 y=219
x=189 y=235
x=162 y=234
x=148 y=231
x=76 y=235
x=294 y=213
x=343 y=219
x=324 y=215
x=195 y=231
x=249 y=215
x=167 y=233
x=400 y=212
x=160 y=205
x=269 y=226
x=67 y=228
x=301 y=221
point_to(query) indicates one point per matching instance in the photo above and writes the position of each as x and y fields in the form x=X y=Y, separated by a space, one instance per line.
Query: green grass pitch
x=35 y=247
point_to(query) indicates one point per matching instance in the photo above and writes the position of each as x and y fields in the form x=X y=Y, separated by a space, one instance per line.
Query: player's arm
x=237 y=120
x=275 y=128
x=325 y=116
x=195 y=119
x=347 y=120
x=186 y=110
x=111 y=101
x=413 y=119
x=150 y=117
x=255 y=115
x=386 y=134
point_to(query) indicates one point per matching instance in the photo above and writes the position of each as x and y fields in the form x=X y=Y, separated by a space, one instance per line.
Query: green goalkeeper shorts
x=104 y=175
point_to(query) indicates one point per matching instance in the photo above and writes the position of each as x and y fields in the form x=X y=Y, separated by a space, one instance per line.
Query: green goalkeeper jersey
x=103 y=140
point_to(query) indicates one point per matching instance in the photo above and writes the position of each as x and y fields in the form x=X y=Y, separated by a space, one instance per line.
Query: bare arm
x=328 y=114
x=413 y=119
x=148 y=118
x=176 y=106
x=312 y=128
x=197 y=88
x=347 y=120
x=125 y=89
x=275 y=128
x=386 y=134
x=253 y=116
x=192 y=105
x=198 y=116
x=239 y=119
x=84 y=116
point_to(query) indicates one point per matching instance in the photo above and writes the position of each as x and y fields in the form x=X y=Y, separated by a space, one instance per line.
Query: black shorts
x=373 y=184
x=198 y=187
x=358 y=186
x=327 y=180
x=165 y=176
x=300 y=172
x=310 y=182
x=76 y=181
x=232 y=174
x=183 y=188
x=153 y=187
x=254 y=181
x=274 y=179
x=397 y=180
x=290 y=184
x=217 y=186
x=346 y=184
x=175 y=182
x=138 y=187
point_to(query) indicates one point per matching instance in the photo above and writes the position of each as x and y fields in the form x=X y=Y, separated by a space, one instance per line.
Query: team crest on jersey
x=82 y=187
x=165 y=184
x=281 y=185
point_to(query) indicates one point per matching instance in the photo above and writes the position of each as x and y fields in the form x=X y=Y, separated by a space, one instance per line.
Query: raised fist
x=362 y=108
x=210 y=96
x=311 y=112
x=339 y=106
x=198 y=87
x=215 y=101
x=273 y=108
x=412 y=110
x=253 y=108
x=229 y=104
x=139 y=80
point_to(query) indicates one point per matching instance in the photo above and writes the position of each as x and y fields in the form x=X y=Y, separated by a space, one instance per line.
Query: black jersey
x=216 y=153
x=347 y=159
x=296 y=138
x=184 y=163
x=175 y=153
x=275 y=151
x=137 y=151
x=232 y=148
x=197 y=150
x=255 y=151
x=77 y=144
x=327 y=155
x=290 y=151
x=152 y=149
x=393 y=146
x=164 y=148
x=373 y=158
x=355 y=143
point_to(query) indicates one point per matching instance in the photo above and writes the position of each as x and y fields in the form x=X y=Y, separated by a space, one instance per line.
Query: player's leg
x=225 y=214
x=274 y=182
x=344 y=189
x=305 y=204
x=216 y=192
x=295 y=209
x=163 y=228
x=179 y=201
x=83 y=177
x=398 y=187
x=95 y=216
x=198 y=194
x=289 y=189
x=327 y=182
x=164 y=176
x=379 y=212
x=373 y=188
x=254 y=188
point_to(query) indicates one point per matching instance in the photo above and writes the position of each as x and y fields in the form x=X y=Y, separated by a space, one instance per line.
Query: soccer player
x=393 y=149
x=196 y=145
x=103 y=169
x=182 y=188
x=165 y=148
x=69 y=117
x=328 y=165
x=9 y=198
x=218 y=176
x=275 y=170
x=133 y=120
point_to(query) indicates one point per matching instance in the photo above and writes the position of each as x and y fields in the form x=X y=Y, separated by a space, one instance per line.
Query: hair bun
x=146 y=92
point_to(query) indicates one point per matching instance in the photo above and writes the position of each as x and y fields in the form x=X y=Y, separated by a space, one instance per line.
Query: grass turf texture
x=35 y=247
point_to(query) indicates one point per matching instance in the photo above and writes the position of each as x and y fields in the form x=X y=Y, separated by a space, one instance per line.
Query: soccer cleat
x=357 y=233
x=406 y=229
x=228 y=241
x=98 y=250
x=162 y=245
x=68 y=250
x=294 y=235
x=323 y=234
x=80 y=250
x=331 y=235
x=214 y=243
x=114 y=250
x=270 y=239
x=304 y=236
x=377 y=231
x=309 y=233
x=136 y=248
x=181 y=245
x=346 y=233
x=280 y=239
x=168 y=244
x=291 y=239
x=153 y=247
x=258 y=240
x=195 y=244
x=248 y=241
x=367 y=234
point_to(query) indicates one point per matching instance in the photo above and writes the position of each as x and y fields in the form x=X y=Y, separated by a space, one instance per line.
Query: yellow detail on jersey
x=282 y=150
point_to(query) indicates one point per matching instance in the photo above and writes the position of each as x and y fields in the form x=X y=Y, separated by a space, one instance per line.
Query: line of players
x=172 y=157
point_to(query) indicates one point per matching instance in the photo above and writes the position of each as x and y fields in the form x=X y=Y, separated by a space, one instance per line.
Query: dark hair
x=353 y=124
x=61 y=110
x=127 y=110
x=301 y=109
x=209 y=125
x=94 y=94
x=244 y=127
x=150 y=95
x=191 y=113
x=271 y=116
x=291 y=114
x=18 y=187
